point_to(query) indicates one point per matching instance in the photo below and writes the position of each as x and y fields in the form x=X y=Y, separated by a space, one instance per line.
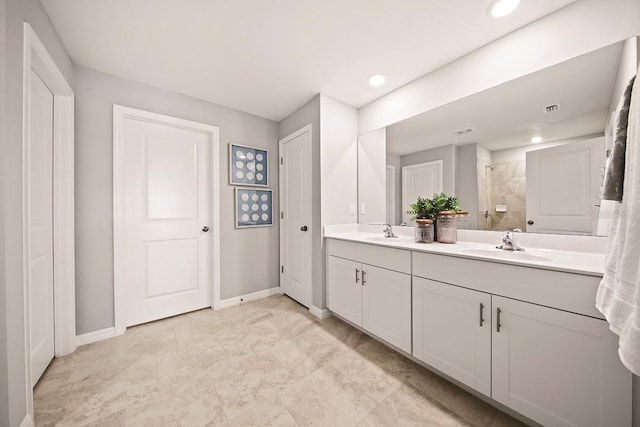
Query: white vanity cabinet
x=344 y=288
x=370 y=286
x=452 y=331
x=558 y=368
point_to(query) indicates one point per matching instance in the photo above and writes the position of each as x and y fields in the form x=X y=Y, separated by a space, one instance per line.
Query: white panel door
x=421 y=180
x=167 y=214
x=344 y=289
x=452 y=331
x=295 y=196
x=558 y=368
x=562 y=187
x=386 y=305
x=40 y=223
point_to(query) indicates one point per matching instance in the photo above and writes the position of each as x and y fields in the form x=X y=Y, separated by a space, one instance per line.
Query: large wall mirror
x=481 y=149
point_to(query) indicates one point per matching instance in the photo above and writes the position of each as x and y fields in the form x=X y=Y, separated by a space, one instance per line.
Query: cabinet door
x=558 y=368
x=452 y=331
x=386 y=306
x=345 y=289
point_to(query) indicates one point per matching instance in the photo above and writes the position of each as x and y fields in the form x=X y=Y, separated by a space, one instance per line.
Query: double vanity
x=520 y=328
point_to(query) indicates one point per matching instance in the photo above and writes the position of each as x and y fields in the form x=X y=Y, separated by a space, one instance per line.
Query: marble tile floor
x=262 y=363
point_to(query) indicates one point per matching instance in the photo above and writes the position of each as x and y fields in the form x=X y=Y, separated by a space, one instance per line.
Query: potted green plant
x=421 y=209
x=429 y=208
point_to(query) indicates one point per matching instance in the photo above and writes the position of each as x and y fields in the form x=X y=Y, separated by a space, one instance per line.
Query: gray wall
x=4 y=379
x=309 y=113
x=467 y=181
x=17 y=12
x=249 y=257
x=447 y=154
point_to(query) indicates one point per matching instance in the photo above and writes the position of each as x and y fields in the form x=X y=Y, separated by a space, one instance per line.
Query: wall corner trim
x=95 y=336
x=230 y=302
x=320 y=313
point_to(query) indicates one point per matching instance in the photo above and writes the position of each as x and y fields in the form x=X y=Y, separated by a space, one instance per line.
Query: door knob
x=304 y=228
x=205 y=228
x=530 y=222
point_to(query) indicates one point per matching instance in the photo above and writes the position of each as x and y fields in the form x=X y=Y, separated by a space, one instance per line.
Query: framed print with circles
x=248 y=166
x=254 y=207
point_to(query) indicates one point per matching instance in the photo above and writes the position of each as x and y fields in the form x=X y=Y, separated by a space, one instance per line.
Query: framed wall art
x=248 y=165
x=254 y=207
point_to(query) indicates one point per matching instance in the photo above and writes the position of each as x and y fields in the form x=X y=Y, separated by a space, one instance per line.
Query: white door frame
x=120 y=114
x=391 y=196
x=308 y=128
x=36 y=58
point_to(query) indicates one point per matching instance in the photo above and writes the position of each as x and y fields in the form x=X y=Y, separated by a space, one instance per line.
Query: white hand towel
x=618 y=296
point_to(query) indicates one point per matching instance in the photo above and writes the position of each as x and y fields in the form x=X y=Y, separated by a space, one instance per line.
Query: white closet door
x=40 y=223
x=167 y=214
x=421 y=180
x=562 y=187
x=296 y=217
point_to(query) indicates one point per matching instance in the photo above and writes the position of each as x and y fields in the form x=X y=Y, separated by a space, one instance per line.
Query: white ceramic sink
x=499 y=253
x=399 y=239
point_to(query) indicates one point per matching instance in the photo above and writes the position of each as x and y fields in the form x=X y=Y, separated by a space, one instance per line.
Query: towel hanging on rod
x=618 y=296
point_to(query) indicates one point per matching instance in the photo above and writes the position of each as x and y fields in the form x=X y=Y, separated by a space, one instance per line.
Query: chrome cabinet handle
x=363 y=281
x=205 y=228
x=498 y=324
x=481 y=314
x=304 y=228
x=357 y=278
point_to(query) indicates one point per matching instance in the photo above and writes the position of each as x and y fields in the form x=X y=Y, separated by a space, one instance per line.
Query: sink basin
x=499 y=253
x=389 y=239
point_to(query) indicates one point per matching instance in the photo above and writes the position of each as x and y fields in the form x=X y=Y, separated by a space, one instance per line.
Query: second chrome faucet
x=509 y=241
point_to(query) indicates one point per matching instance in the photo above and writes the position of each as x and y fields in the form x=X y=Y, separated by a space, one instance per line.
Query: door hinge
x=282 y=269
x=281 y=215
x=282 y=160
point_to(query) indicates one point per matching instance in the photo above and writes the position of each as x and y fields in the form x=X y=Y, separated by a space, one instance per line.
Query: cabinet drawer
x=391 y=259
x=565 y=291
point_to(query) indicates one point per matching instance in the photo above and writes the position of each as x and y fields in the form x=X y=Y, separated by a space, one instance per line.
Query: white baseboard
x=320 y=313
x=95 y=336
x=27 y=421
x=230 y=302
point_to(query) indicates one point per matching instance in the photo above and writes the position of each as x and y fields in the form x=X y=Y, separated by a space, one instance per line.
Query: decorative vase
x=424 y=231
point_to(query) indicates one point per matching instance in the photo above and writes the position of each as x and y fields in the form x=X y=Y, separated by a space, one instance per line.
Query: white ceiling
x=508 y=115
x=268 y=57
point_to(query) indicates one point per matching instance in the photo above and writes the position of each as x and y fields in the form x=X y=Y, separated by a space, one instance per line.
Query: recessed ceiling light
x=537 y=139
x=500 y=8
x=377 y=80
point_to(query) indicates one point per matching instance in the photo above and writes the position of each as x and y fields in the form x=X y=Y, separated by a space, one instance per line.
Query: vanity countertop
x=587 y=263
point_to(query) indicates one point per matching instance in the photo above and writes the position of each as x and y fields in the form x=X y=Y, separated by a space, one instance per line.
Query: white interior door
x=421 y=180
x=167 y=213
x=40 y=223
x=562 y=187
x=295 y=219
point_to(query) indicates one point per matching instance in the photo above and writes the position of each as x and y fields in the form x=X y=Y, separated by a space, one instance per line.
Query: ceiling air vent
x=553 y=108
x=463 y=131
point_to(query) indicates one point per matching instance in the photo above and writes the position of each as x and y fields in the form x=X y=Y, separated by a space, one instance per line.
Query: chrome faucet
x=509 y=241
x=388 y=231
